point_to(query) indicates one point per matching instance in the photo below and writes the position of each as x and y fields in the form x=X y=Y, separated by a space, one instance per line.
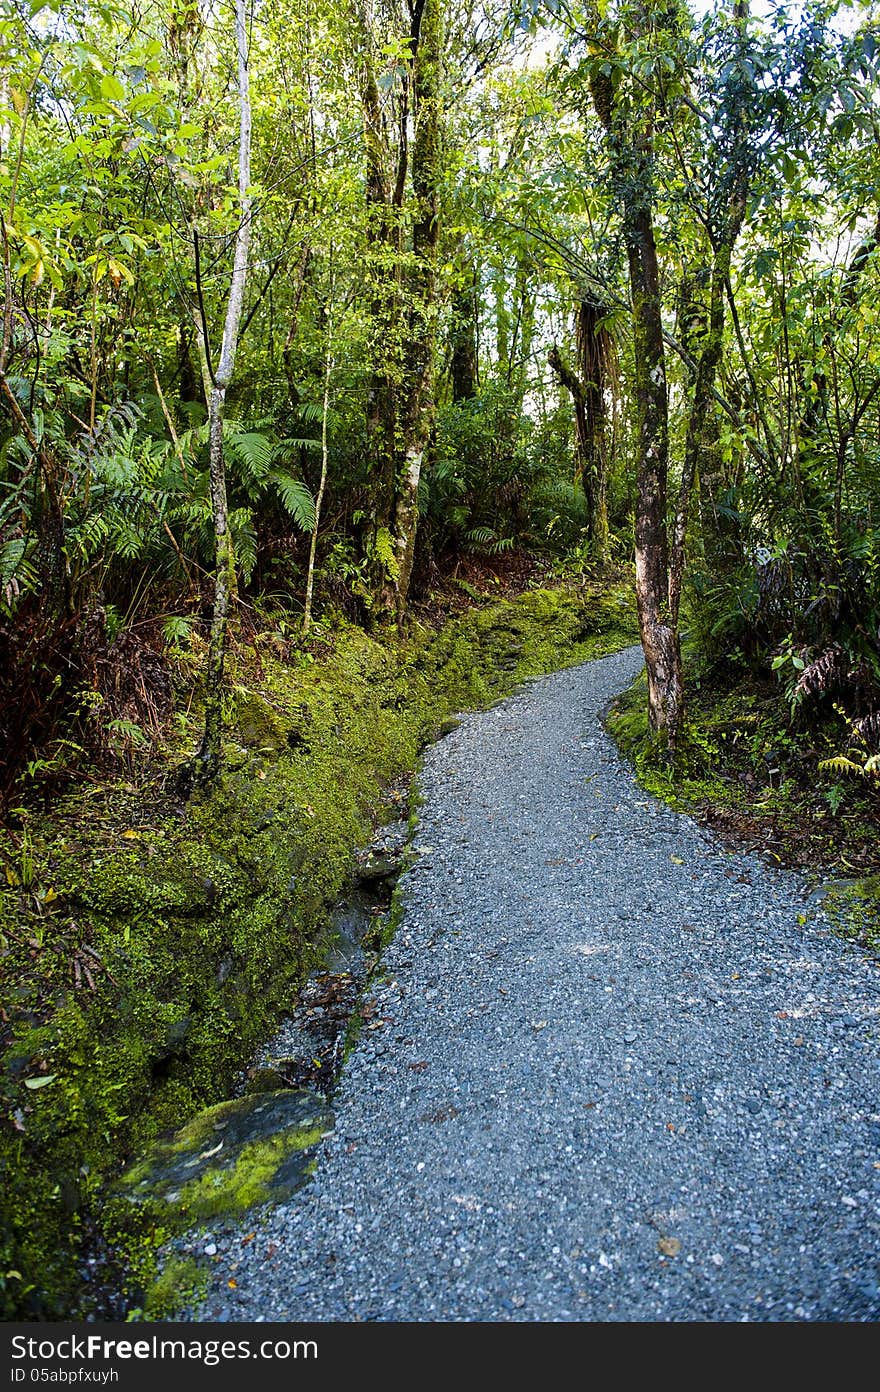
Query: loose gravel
x=614 y=1071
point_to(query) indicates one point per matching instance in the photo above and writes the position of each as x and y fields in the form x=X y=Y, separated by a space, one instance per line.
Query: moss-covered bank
x=148 y=945
x=766 y=785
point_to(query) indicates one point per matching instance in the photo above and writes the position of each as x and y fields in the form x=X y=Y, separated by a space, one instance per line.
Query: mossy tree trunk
x=403 y=309
x=629 y=129
x=588 y=387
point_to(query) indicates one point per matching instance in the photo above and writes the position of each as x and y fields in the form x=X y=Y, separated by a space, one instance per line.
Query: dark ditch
x=309 y=1047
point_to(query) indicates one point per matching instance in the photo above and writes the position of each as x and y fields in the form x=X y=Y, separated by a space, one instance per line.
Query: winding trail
x=623 y=1074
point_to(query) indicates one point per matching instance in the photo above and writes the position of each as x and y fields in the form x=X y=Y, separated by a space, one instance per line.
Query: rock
x=267 y=1079
x=447 y=726
x=380 y=865
x=253 y=1150
x=259 y=726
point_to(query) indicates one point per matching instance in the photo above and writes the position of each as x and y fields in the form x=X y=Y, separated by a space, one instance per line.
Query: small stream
x=309 y=1047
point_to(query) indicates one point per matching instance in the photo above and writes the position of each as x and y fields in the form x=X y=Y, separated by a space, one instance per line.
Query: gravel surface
x=623 y=1075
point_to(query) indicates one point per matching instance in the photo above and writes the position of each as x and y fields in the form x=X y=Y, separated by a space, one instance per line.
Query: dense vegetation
x=318 y=318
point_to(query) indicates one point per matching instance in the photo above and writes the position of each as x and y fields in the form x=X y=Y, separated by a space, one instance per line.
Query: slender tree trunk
x=209 y=755
x=384 y=187
x=630 y=142
x=659 y=636
x=502 y=323
x=418 y=412
x=702 y=402
x=463 y=336
x=328 y=372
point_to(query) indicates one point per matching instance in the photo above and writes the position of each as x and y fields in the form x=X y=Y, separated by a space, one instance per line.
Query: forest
x=327 y=325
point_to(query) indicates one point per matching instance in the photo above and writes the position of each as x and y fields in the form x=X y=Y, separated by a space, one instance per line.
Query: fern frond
x=310 y=411
x=295 y=498
x=839 y=763
x=291 y=444
x=254 y=452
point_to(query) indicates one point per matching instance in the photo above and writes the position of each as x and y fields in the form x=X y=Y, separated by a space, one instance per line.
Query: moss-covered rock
x=251 y=1150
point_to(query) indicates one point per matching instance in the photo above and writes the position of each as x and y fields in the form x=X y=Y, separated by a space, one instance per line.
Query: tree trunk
x=209 y=755
x=463 y=336
x=659 y=637
x=587 y=387
x=384 y=192
x=630 y=142
x=313 y=546
x=702 y=401
x=418 y=409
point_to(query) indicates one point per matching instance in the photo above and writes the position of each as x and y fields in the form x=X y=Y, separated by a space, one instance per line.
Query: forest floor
x=615 y=1070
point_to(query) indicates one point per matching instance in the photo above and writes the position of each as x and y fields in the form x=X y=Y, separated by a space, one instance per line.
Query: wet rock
x=255 y=1149
x=380 y=865
x=447 y=726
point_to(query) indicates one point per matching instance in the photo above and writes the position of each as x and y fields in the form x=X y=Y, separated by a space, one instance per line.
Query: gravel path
x=619 y=1078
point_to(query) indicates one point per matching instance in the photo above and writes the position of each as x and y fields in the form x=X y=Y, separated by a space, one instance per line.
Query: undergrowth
x=762 y=780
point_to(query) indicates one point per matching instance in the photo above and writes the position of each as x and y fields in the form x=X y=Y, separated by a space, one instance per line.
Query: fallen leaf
x=676 y=860
x=34 y=1083
x=232 y=1283
x=799 y=1041
x=131 y=835
x=250 y=1237
x=782 y=1014
x=669 y=1246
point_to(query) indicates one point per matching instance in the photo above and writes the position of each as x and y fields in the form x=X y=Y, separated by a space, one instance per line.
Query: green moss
x=251 y=1182
x=170 y=938
x=181 y=1282
x=757 y=777
x=854 y=908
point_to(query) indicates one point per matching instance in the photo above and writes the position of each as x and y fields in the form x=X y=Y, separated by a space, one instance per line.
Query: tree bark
x=702 y=401
x=659 y=636
x=319 y=499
